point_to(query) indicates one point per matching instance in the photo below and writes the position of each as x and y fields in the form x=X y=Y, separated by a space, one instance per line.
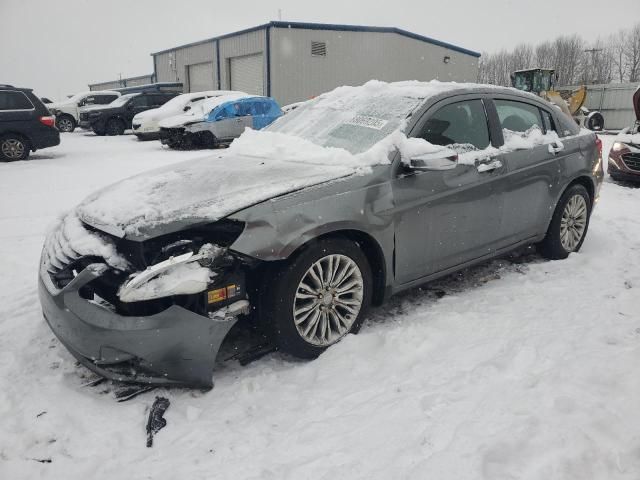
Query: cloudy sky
x=57 y=47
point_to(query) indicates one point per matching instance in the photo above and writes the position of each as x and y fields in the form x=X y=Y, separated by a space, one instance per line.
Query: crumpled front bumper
x=175 y=346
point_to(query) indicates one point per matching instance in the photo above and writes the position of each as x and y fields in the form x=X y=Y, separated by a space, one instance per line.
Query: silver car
x=302 y=227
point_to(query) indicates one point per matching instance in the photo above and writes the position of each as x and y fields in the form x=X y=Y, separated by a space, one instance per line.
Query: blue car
x=218 y=121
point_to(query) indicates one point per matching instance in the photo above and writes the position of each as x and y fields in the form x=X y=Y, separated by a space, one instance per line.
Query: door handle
x=556 y=147
x=489 y=166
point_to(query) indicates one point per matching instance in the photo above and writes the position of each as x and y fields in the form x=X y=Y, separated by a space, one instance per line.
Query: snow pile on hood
x=274 y=145
x=69 y=239
x=207 y=189
x=632 y=138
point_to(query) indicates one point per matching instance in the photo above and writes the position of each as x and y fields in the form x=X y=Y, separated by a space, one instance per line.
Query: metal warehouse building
x=122 y=83
x=296 y=61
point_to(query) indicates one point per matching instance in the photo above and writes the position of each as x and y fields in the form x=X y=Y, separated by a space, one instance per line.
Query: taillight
x=48 y=121
x=599 y=145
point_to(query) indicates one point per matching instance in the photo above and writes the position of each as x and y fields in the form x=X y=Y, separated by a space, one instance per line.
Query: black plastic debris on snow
x=156 y=420
x=128 y=391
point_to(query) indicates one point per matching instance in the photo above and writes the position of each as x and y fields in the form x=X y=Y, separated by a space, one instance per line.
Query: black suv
x=115 y=118
x=25 y=124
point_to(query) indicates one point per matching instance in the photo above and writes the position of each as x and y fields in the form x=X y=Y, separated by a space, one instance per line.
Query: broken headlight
x=184 y=272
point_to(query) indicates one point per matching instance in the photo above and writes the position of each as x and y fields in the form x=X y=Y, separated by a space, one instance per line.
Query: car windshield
x=118 y=102
x=354 y=120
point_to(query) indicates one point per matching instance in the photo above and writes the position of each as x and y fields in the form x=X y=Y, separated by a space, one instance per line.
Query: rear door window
x=518 y=116
x=15 y=101
x=105 y=99
x=461 y=126
x=141 y=101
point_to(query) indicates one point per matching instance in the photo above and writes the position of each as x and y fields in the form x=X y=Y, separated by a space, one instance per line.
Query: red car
x=624 y=157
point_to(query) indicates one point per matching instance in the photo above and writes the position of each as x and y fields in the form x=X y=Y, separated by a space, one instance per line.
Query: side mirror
x=445 y=159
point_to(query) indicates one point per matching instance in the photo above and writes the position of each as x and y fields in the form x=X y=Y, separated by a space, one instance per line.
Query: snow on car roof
x=211 y=103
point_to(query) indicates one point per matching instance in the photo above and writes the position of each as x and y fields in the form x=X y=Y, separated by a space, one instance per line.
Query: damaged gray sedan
x=301 y=227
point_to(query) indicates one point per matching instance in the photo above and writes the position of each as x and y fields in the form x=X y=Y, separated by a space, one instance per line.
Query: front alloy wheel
x=328 y=300
x=317 y=297
x=65 y=124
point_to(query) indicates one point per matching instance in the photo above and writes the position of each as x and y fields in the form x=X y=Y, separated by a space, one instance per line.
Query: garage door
x=247 y=74
x=201 y=77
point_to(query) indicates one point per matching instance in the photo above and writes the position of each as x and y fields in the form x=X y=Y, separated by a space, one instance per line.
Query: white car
x=146 y=124
x=67 y=112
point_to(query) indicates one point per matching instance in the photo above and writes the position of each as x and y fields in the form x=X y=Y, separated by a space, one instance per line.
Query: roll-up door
x=201 y=77
x=247 y=74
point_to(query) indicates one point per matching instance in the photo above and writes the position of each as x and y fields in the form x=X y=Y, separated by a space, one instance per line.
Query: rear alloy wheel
x=66 y=124
x=569 y=224
x=13 y=147
x=114 y=127
x=319 y=297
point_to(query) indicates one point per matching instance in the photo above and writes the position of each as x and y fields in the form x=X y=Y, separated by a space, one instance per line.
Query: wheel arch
x=21 y=135
x=371 y=249
x=587 y=182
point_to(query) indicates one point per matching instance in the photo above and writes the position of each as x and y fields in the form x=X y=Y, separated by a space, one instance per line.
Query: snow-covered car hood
x=182 y=119
x=197 y=191
x=91 y=107
x=199 y=112
x=60 y=105
x=146 y=115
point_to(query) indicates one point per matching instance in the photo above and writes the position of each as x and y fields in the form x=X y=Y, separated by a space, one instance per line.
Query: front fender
x=274 y=230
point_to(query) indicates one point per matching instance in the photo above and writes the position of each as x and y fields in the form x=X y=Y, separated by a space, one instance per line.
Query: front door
x=447 y=218
x=232 y=121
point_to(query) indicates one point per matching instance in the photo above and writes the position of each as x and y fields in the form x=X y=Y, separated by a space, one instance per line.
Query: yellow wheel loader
x=541 y=82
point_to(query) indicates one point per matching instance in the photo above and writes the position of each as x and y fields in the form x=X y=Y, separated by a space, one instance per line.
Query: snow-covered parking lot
x=519 y=368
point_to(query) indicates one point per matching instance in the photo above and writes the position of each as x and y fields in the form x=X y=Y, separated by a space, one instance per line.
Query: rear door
x=447 y=218
x=17 y=112
x=534 y=170
x=140 y=103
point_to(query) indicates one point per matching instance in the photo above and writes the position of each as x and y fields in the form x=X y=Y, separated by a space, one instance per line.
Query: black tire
x=114 y=126
x=552 y=246
x=279 y=295
x=209 y=140
x=66 y=123
x=595 y=122
x=14 y=147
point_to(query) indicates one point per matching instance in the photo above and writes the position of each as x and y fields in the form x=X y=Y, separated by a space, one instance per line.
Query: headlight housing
x=184 y=274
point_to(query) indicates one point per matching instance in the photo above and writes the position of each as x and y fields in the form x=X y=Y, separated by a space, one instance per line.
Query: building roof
x=332 y=27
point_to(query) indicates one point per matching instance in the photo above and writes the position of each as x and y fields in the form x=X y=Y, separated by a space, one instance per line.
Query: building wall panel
x=173 y=66
x=353 y=58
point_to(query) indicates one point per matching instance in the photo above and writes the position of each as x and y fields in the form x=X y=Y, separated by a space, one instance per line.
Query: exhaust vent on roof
x=318 y=49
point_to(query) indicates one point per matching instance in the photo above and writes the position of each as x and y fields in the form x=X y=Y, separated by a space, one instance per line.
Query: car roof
x=4 y=86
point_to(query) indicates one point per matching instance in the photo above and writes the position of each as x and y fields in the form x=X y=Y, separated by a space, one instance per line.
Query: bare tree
x=615 y=59
x=617 y=44
x=632 y=53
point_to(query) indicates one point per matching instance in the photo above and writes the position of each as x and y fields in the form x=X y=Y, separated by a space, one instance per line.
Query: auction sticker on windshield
x=367 y=121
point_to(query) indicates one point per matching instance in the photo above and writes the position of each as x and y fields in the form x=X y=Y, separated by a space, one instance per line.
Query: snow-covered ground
x=517 y=369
